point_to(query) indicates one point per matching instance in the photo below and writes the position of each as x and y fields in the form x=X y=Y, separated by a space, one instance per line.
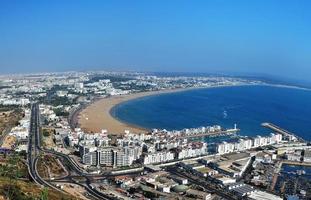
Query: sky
x=210 y=36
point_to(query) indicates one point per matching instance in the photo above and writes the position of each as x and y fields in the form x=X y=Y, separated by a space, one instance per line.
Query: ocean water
x=247 y=106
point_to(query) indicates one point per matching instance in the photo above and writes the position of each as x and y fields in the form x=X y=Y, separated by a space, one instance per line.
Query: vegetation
x=9 y=118
x=13 y=168
x=23 y=190
x=4 y=87
x=61 y=112
x=15 y=186
x=56 y=101
x=6 y=108
x=48 y=165
x=150 y=195
x=46 y=133
x=132 y=86
x=10 y=191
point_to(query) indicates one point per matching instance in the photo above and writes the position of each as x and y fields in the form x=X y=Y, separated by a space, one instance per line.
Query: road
x=34 y=151
x=73 y=116
x=75 y=171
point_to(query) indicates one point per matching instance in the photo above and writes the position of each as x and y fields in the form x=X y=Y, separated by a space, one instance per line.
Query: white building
x=90 y=158
x=307 y=156
x=158 y=157
x=193 y=150
x=244 y=144
x=120 y=158
x=61 y=93
x=225 y=147
x=19 y=101
x=105 y=156
x=109 y=156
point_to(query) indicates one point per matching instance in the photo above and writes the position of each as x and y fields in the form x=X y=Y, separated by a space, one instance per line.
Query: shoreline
x=97 y=115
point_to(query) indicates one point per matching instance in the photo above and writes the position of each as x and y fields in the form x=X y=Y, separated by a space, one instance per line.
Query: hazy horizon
x=262 y=37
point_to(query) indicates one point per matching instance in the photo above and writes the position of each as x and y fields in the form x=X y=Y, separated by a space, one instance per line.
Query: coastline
x=97 y=116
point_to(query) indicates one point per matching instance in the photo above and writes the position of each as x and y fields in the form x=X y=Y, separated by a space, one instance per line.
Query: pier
x=282 y=131
x=288 y=162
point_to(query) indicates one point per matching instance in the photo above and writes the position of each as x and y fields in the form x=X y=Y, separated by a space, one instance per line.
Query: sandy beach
x=97 y=117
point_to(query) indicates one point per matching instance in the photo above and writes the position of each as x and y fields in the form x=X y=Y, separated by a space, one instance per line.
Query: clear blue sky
x=258 y=36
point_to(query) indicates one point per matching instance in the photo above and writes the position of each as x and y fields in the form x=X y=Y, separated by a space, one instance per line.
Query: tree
x=10 y=169
x=44 y=194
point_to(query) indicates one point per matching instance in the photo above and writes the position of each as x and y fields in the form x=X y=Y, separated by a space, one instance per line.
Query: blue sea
x=247 y=106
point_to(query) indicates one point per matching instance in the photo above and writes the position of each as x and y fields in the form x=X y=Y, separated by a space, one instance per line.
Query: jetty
x=284 y=132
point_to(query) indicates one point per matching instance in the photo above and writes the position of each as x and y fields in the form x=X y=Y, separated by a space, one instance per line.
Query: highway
x=75 y=171
x=34 y=151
